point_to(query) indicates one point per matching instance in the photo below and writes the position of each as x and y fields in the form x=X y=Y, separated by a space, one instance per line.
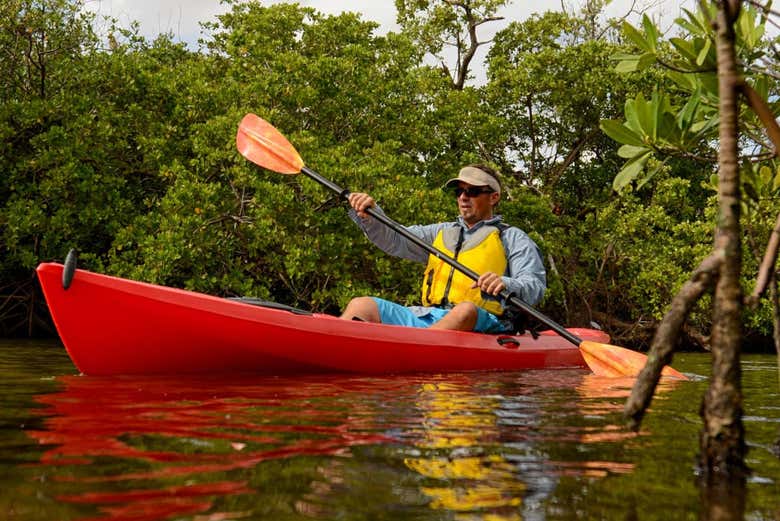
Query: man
x=505 y=257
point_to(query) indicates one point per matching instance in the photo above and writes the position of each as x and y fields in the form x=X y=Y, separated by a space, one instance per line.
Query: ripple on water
x=524 y=445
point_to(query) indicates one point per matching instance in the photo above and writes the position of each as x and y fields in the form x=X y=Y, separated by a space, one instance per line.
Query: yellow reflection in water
x=484 y=486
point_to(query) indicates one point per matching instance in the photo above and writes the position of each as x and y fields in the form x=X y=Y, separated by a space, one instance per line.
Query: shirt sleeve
x=526 y=277
x=392 y=242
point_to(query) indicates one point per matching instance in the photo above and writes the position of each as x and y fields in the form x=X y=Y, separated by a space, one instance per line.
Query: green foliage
x=551 y=84
x=657 y=244
x=41 y=40
x=650 y=127
x=664 y=127
x=760 y=205
x=125 y=149
x=81 y=163
x=670 y=126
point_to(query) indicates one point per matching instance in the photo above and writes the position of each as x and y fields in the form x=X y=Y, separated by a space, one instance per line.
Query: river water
x=532 y=445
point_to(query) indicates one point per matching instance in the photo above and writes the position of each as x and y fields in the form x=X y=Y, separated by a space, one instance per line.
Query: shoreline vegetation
x=124 y=148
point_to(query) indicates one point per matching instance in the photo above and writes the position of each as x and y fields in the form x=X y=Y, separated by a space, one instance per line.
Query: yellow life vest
x=481 y=251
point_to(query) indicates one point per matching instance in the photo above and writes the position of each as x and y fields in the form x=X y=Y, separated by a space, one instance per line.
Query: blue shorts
x=396 y=314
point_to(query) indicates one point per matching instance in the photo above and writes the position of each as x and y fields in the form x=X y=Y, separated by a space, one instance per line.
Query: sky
x=182 y=17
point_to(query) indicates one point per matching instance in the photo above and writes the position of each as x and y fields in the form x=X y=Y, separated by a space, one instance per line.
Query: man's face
x=476 y=207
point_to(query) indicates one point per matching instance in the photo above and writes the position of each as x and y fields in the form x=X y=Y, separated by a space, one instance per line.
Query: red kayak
x=114 y=326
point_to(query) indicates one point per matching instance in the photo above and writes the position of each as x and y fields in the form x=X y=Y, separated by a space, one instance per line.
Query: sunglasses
x=471 y=191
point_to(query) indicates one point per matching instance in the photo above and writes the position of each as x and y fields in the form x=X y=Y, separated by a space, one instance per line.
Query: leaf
x=620 y=132
x=627 y=65
x=632 y=108
x=685 y=81
x=668 y=130
x=701 y=127
x=633 y=62
x=765 y=174
x=709 y=83
x=761 y=86
x=776 y=181
x=684 y=47
x=624 y=56
x=702 y=57
x=651 y=32
x=635 y=36
x=686 y=115
x=655 y=113
x=696 y=24
x=630 y=171
x=646 y=60
x=646 y=115
x=687 y=26
x=631 y=151
x=649 y=175
x=747 y=30
x=714 y=180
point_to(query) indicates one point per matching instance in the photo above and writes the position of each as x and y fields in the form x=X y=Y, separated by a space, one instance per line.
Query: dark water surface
x=493 y=446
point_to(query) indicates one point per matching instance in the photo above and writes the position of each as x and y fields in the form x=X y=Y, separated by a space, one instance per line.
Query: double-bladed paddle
x=262 y=144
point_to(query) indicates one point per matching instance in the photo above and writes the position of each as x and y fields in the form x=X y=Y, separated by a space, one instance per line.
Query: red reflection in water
x=159 y=503
x=236 y=426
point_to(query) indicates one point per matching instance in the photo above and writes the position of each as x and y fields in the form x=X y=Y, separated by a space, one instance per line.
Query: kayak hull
x=113 y=326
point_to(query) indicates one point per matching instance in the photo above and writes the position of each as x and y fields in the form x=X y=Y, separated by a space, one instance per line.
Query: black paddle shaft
x=505 y=295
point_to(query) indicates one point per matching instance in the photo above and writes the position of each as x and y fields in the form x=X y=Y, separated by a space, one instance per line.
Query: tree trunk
x=723 y=500
x=722 y=438
x=775 y=299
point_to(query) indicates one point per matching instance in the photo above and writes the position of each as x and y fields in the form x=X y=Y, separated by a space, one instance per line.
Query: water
x=492 y=446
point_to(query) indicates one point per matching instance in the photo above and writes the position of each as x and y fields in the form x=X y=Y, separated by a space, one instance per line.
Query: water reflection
x=462 y=477
x=482 y=453
x=481 y=445
x=164 y=448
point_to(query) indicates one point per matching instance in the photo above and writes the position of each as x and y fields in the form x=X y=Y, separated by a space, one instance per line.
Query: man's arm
x=392 y=242
x=526 y=278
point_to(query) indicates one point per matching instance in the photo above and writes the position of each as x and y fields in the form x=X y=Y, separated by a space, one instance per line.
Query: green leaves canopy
x=660 y=127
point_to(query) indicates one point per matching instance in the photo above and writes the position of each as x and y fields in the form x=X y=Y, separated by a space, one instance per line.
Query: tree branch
x=765 y=272
x=579 y=144
x=763 y=112
x=675 y=68
x=702 y=279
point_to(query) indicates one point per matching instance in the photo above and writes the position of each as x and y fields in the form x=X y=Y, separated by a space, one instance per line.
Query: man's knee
x=363 y=308
x=462 y=316
x=466 y=310
x=362 y=303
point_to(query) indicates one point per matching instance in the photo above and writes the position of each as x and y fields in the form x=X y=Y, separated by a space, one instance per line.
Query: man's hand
x=361 y=202
x=490 y=283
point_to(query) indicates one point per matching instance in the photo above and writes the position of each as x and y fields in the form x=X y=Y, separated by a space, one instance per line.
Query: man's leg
x=462 y=317
x=363 y=308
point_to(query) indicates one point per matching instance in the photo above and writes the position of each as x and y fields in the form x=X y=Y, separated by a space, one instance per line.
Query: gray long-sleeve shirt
x=525 y=274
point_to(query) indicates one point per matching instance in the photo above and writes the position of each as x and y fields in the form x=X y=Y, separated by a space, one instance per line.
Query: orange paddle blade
x=260 y=142
x=614 y=361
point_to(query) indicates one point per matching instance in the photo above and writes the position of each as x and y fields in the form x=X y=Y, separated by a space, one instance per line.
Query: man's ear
x=494 y=198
